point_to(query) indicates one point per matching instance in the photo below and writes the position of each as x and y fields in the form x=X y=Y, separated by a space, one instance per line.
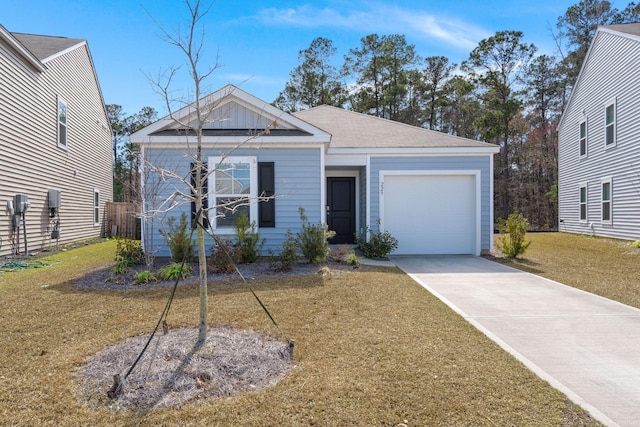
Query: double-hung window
x=610 y=124
x=583 y=138
x=96 y=207
x=62 y=123
x=583 y=203
x=233 y=187
x=606 y=200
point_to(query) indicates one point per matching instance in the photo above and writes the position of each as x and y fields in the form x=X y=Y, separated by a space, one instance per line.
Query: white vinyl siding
x=32 y=163
x=610 y=124
x=611 y=70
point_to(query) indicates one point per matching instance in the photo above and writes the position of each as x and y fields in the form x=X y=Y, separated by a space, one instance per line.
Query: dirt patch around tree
x=171 y=373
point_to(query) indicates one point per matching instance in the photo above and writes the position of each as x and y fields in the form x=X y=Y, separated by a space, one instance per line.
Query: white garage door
x=431 y=214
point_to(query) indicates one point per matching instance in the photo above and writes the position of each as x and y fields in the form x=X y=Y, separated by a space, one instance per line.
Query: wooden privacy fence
x=122 y=220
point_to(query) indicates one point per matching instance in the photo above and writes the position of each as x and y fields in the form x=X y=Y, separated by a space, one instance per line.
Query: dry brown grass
x=605 y=267
x=372 y=348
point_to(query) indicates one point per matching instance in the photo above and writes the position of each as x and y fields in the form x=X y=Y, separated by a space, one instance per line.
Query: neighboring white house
x=55 y=142
x=599 y=139
x=430 y=190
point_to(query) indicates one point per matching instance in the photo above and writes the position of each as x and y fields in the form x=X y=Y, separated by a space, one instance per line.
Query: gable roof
x=627 y=31
x=18 y=47
x=356 y=130
x=46 y=47
x=259 y=117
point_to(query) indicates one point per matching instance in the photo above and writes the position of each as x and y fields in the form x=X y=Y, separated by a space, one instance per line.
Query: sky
x=256 y=43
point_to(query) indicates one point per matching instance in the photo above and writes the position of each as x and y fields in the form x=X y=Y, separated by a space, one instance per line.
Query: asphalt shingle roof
x=42 y=47
x=349 y=129
x=626 y=28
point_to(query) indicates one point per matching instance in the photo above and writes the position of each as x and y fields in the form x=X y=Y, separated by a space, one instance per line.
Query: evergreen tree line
x=503 y=93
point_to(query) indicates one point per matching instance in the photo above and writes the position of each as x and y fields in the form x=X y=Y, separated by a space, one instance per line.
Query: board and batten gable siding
x=611 y=72
x=31 y=161
x=435 y=163
x=297 y=184
x=233 y=115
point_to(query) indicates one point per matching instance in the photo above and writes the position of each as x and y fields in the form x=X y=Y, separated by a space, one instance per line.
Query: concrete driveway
x=584 y=345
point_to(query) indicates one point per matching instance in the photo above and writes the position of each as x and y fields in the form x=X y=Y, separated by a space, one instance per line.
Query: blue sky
x=257 y=42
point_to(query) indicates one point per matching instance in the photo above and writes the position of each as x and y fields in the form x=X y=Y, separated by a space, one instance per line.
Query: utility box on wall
x=54 y=199
x=20 y=203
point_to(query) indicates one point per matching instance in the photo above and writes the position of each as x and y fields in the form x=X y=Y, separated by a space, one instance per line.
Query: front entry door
x=341 y=208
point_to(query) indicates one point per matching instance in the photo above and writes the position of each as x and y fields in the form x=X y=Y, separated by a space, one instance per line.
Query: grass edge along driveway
x=372 y=348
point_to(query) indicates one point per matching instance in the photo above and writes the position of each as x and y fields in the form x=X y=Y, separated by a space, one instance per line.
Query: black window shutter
x=205 y=192
x=266 y=188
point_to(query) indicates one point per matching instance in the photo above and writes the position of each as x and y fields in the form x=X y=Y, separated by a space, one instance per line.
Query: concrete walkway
x=586 y=346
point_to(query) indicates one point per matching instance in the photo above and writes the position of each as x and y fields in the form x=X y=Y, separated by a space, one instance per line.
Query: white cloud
x=376 y=17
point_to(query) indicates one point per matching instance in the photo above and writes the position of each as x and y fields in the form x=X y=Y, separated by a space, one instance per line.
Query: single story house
x=430 y=190
x=599 y=139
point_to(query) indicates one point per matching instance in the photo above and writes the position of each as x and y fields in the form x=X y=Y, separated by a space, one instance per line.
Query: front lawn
x=602 y=266
x=372 y=348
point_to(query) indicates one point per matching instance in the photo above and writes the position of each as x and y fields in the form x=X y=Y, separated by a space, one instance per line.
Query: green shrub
x=248 y=243
x=288 y=255
x=144 y=277
x=379 y=245
x=222 y=257
x=512 y=232
x=634 y=244
x=179 y=239
x=175 y=270
x=131 y=250
x=313 y=240
x=354 y=261
x=121 y=266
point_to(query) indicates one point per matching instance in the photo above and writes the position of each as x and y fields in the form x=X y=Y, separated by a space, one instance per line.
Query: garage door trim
x=475 y=173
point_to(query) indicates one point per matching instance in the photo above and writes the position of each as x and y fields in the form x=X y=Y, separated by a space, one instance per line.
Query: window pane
x=233 y=178
x=606 y=211
x=606 y=191
x=228 y=209
x=583 y=211
x=583 y=194
x=609 y=115
x=609 y=135
x=583 y=147
x=583 y=130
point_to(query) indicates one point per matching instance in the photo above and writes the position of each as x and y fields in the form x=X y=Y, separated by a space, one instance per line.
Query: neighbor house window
x=583 y=203
x=610 y=124
x=62 y=123
x=583 y=138
x=606 y=200
x=96 y=207
x=233 y=186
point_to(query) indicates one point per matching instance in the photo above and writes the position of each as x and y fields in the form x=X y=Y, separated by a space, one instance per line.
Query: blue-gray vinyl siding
x=435 y=163
x=611 y=72
x=297 y=184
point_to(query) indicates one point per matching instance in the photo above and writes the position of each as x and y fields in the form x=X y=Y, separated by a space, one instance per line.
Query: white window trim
x=586 y=203
x=96 y=209
x=606 y=180
x=253 y=183
x=59 y=101
x=586 y=138
x=615 y=123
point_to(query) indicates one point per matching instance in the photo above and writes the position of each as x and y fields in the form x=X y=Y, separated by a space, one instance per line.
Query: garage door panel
x=431 y=214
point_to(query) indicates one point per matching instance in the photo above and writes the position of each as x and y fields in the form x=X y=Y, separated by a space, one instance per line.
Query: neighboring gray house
x=432 y=191
x=55 y=140
x=599 y=139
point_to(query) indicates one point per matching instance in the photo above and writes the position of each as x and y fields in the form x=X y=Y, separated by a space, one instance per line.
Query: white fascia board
x=239 y=144
x=230 y=140
x=346 y=160
x=459 y=151
x=23 y=51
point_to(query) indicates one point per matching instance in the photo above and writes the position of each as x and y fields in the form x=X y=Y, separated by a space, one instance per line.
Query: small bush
x=353 y=261
x=248 y=243
x=175 y=270
x=288 y=255
x=179 y=239
x=313 y=240
x=121 y=266
x=379 y=245
x=131 y=250
x=635 y=244
x=222 y=257
x=144 y=277
x=512 y=232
